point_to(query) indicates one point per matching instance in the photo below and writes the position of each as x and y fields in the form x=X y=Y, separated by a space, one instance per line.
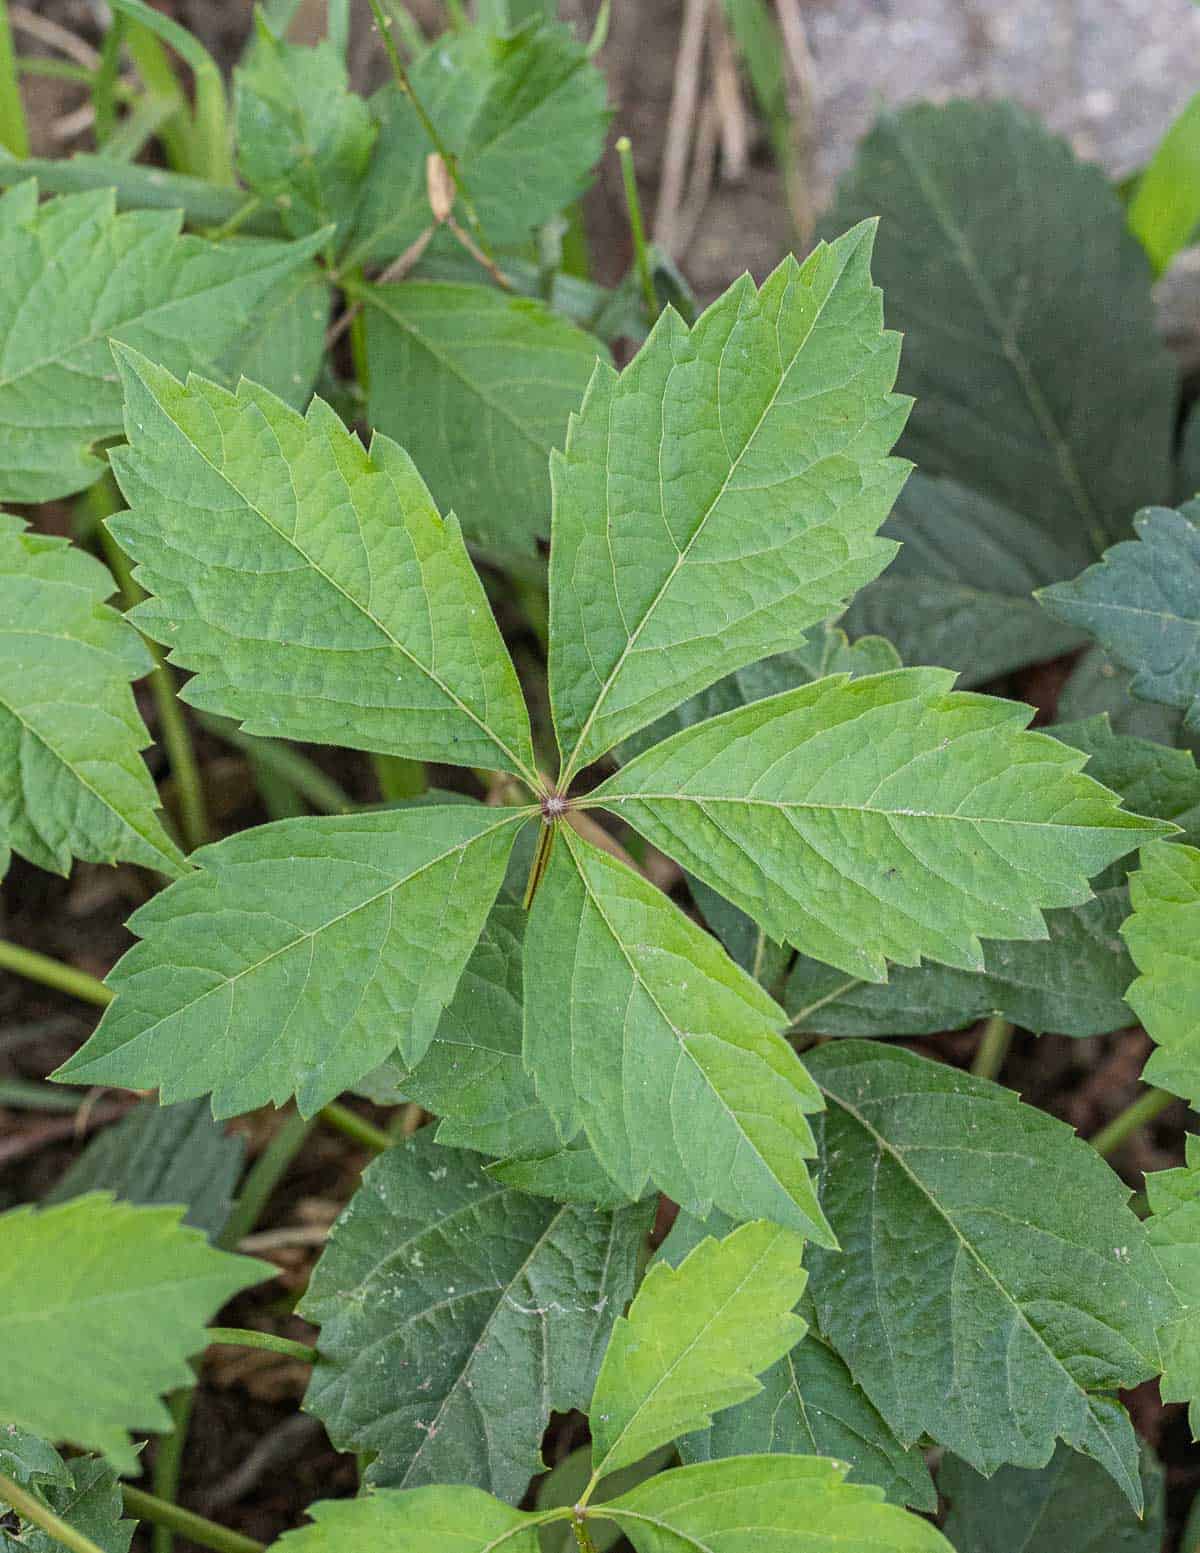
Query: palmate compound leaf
x=995 y=1288
x=1173 y=1228
x=694 y=1340
x=299 y=956
x=456 y=1313
x=74 y=782
x=1142 y=604
x=1161 y=936
x=641 y=1030
x=73 y=276
x=881 y=818
x=309 y=583
x=721 y=495
x=420 y=1520
x=101 y=1305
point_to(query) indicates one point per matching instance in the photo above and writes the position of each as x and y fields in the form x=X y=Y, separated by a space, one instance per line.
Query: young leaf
x=456 y=1314
x=988 y=291
x=498 y=103
x=694 y=1340
x=310 y=583
x=450 y=1520
x=1165 y=209
x=304 y=138
x=1161 y=937
x=758 y=440
x=640 y=1030
x=71 y=736
x=1142 y=604
x=884 y=818
x=75 y=275
x=101 y=1305
x=767 y=1504
x=89 y=1501
x=1069 y=1506
x=1173 y=1229
x=299 y=956
x=995 y=1284
x=478 y=387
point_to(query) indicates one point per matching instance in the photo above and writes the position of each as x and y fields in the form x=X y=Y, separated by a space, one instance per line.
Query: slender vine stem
x=168 y=1461
x=246 y=1337
x=1140 y=1111
x=356 y=1127
x=637 y=227
x=148 y=1507
x=993 y=1047
x=53 y=973
x=42 y=1515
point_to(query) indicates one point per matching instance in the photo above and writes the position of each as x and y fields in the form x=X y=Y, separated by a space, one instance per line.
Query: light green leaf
x=640 y=1030
x=959 y=592
x=101 y=1305
x=884 y=818
x=299 y=956
x=162 y=1154
x=995 y=1287
x=694 y=1340
x=284 y=347
x=1069 y=1506
x=74 y=782
x=1173 y=1228
x=1142 y=604
x=456 y=1314
x=499 y=104
x=1165 y=209
x=1161 y=936
x=304 y=138
x=722 y=494
x=478 y=388
x=89 y=1501
x=426 y=1520
x=767 y=1504
x=75 y=275
x=988 y=226
x=309 y=583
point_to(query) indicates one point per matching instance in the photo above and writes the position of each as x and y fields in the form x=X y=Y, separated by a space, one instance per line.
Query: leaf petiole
x=541 y=860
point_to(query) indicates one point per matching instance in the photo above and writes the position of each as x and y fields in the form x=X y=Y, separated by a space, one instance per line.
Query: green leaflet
x=1165 y=209
x=1161 y=935
x=101 y=1305
x=299 y=956
x=456 y=1313
x=640 y=1030
x=75 y=275
x=304 y=139
x=766 y=1504
x=498 y=103
x=310 y=583
x=426 y=1520
x=285 y=346
x=993 y=1333
x=86 y=1494
x=1069 y=1506
x=988 y=226
x=478 y=387
x=1173 y=1229
x=1142 y=604
x=758 y=442
x=74 y=782
x=883 y=818
x=694 y=1340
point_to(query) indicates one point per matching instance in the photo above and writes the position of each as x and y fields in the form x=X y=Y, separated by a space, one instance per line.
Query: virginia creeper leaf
x=766 y=1504
x=722 y=494
x=75 y=275
x=1173 y=1228
x=640 y=1030
x=478 y=387
x=299 y=956
x=1142 y=604
x=425 y=1520
x=694 y=1340
x=880 y=818
x=1161 y=937
x=310 y=583
x=456 y=1313
x=994 y=1286
x=101 y=1305
x=71 y=737
x=87 y=1497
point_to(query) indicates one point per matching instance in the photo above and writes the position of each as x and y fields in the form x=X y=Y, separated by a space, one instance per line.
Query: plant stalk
x=1140 y=1111
x=246 y=1337
x=264 y=1176
x=42 y=1515
x=53 y=973
x=356 y=1127
x=148 y=1507
x=14 y=132
x=637 y=228
x=993 y=1047
x=583 y=1537
x=168 y=1461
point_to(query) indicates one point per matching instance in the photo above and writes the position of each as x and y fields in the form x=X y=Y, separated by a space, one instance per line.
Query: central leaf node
x=554 y=806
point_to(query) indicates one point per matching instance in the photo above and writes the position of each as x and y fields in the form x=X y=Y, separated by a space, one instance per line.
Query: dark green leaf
x=89 y=1501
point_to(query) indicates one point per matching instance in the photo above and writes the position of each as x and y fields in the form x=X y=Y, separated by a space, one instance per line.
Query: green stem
x=14 y=132
x=168 y=1462
x=244 y=1337
x=1140 y=1111
x=42 y=1515
x=356 y=1127
x=151 y=63
x=104 y=82
x=993 y=1047
x=637 y=227
x=265 y=1175
x=582 y=1535
x=158 y=1512
x=53 y=973
x=541 y=861
x=400 y=778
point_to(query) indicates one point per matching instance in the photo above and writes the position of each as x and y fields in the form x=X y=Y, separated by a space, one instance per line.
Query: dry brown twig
x=803 y=107
x=54 y=36
x=727 y=96
x=681 y=122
